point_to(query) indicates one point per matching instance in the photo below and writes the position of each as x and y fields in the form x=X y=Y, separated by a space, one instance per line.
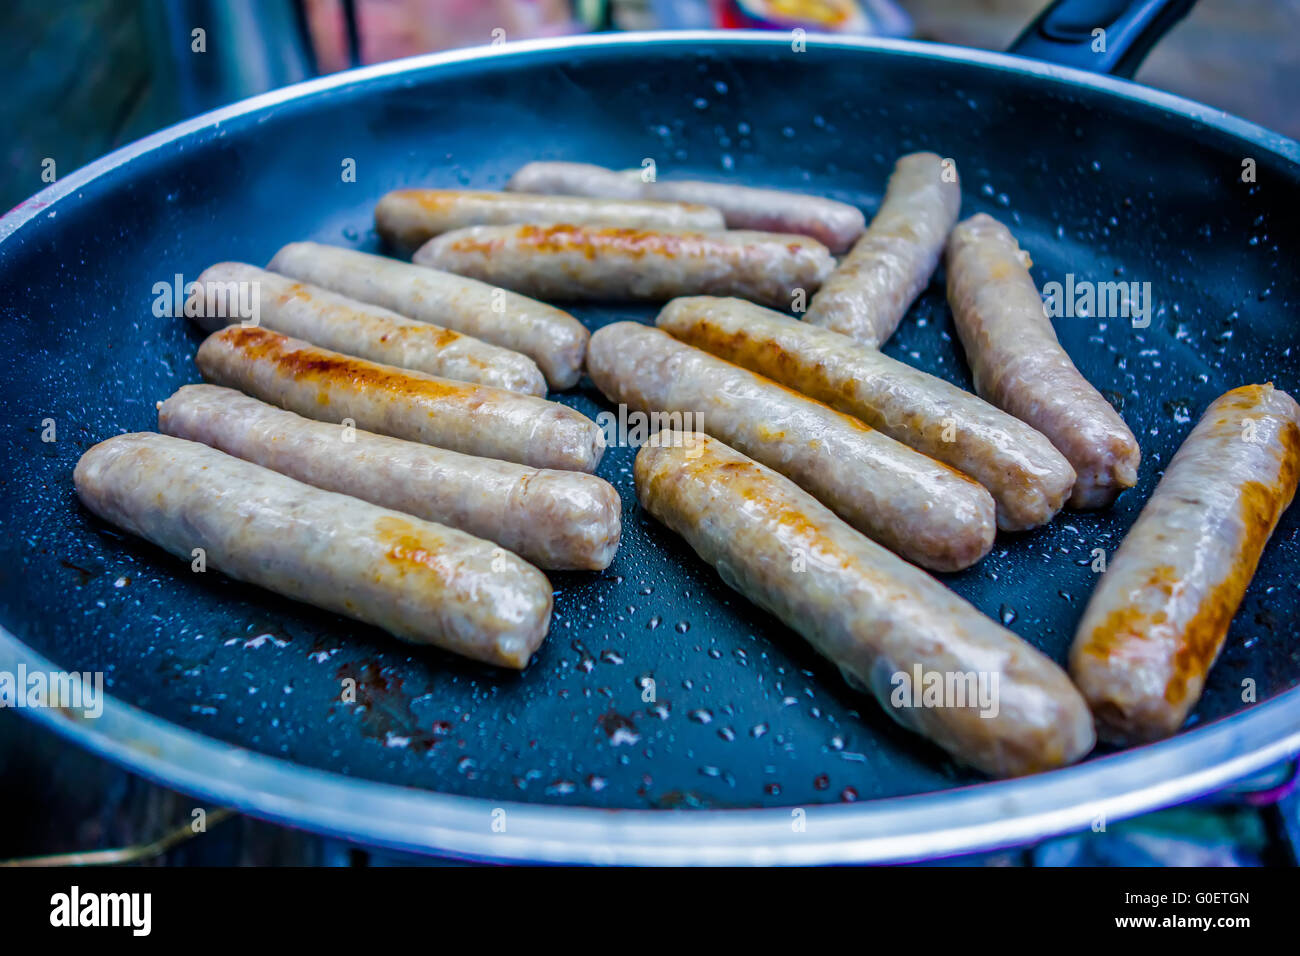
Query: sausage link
x=834 y=224
x=1160 y=614
x=872 y=288
x=590 y=262
x=552 y=338
x=874 y=616
x=912 y=504
x=576 y=179
x=417 y=580
x=556 y=519
x=367 y=331
x=407 y=218
x=1019 y=365
x=332 y=387
x=1028 y=478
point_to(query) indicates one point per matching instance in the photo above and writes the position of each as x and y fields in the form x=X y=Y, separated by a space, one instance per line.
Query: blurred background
x=83 y=77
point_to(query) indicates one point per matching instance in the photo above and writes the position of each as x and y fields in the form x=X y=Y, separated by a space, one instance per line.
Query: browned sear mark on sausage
x=590 y=242
x=319 y=365
x=296 y=290
x=1261 y=506
x=814 y=380
x=432 y=200
x=413 y=549
x=1129 y=622
x=1201 y=639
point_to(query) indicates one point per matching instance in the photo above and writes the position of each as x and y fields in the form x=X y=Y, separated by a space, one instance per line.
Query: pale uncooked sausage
x=420 y=581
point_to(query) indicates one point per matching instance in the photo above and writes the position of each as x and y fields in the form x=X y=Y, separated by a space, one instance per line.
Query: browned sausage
x=1028 y=478
x=877 y=618
x=332 y=387
x=591 y=262
x=1160 y=614
x=912 y=504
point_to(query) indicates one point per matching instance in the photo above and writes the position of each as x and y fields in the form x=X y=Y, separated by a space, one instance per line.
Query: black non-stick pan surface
x=1097 y=178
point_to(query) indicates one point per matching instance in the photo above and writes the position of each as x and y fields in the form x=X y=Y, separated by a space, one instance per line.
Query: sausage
x=419 y=581
x=367 y=331
x=1019 y=365
x=874 y=285
x=576 y=179
x=593 y=262
x=912 y=504
x=1158 y=618
x=332 y=387
x=552 y=338
x=877 y=618
x=1028 y=478
x=409 y=217
x=555 y=519
x=834 y=224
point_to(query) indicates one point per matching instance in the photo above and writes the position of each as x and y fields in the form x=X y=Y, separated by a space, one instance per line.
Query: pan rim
x=1253 y=133
x=928 y=826
x=925 y=826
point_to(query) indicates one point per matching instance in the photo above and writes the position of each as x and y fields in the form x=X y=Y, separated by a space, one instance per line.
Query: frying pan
x=753 y=750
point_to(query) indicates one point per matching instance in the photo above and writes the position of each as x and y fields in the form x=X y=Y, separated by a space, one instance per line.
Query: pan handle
x=1102 y=36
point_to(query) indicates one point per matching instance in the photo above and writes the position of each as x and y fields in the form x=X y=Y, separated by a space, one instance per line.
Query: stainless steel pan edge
x=931 y=826
x=921 y=827
x=1257 y=135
